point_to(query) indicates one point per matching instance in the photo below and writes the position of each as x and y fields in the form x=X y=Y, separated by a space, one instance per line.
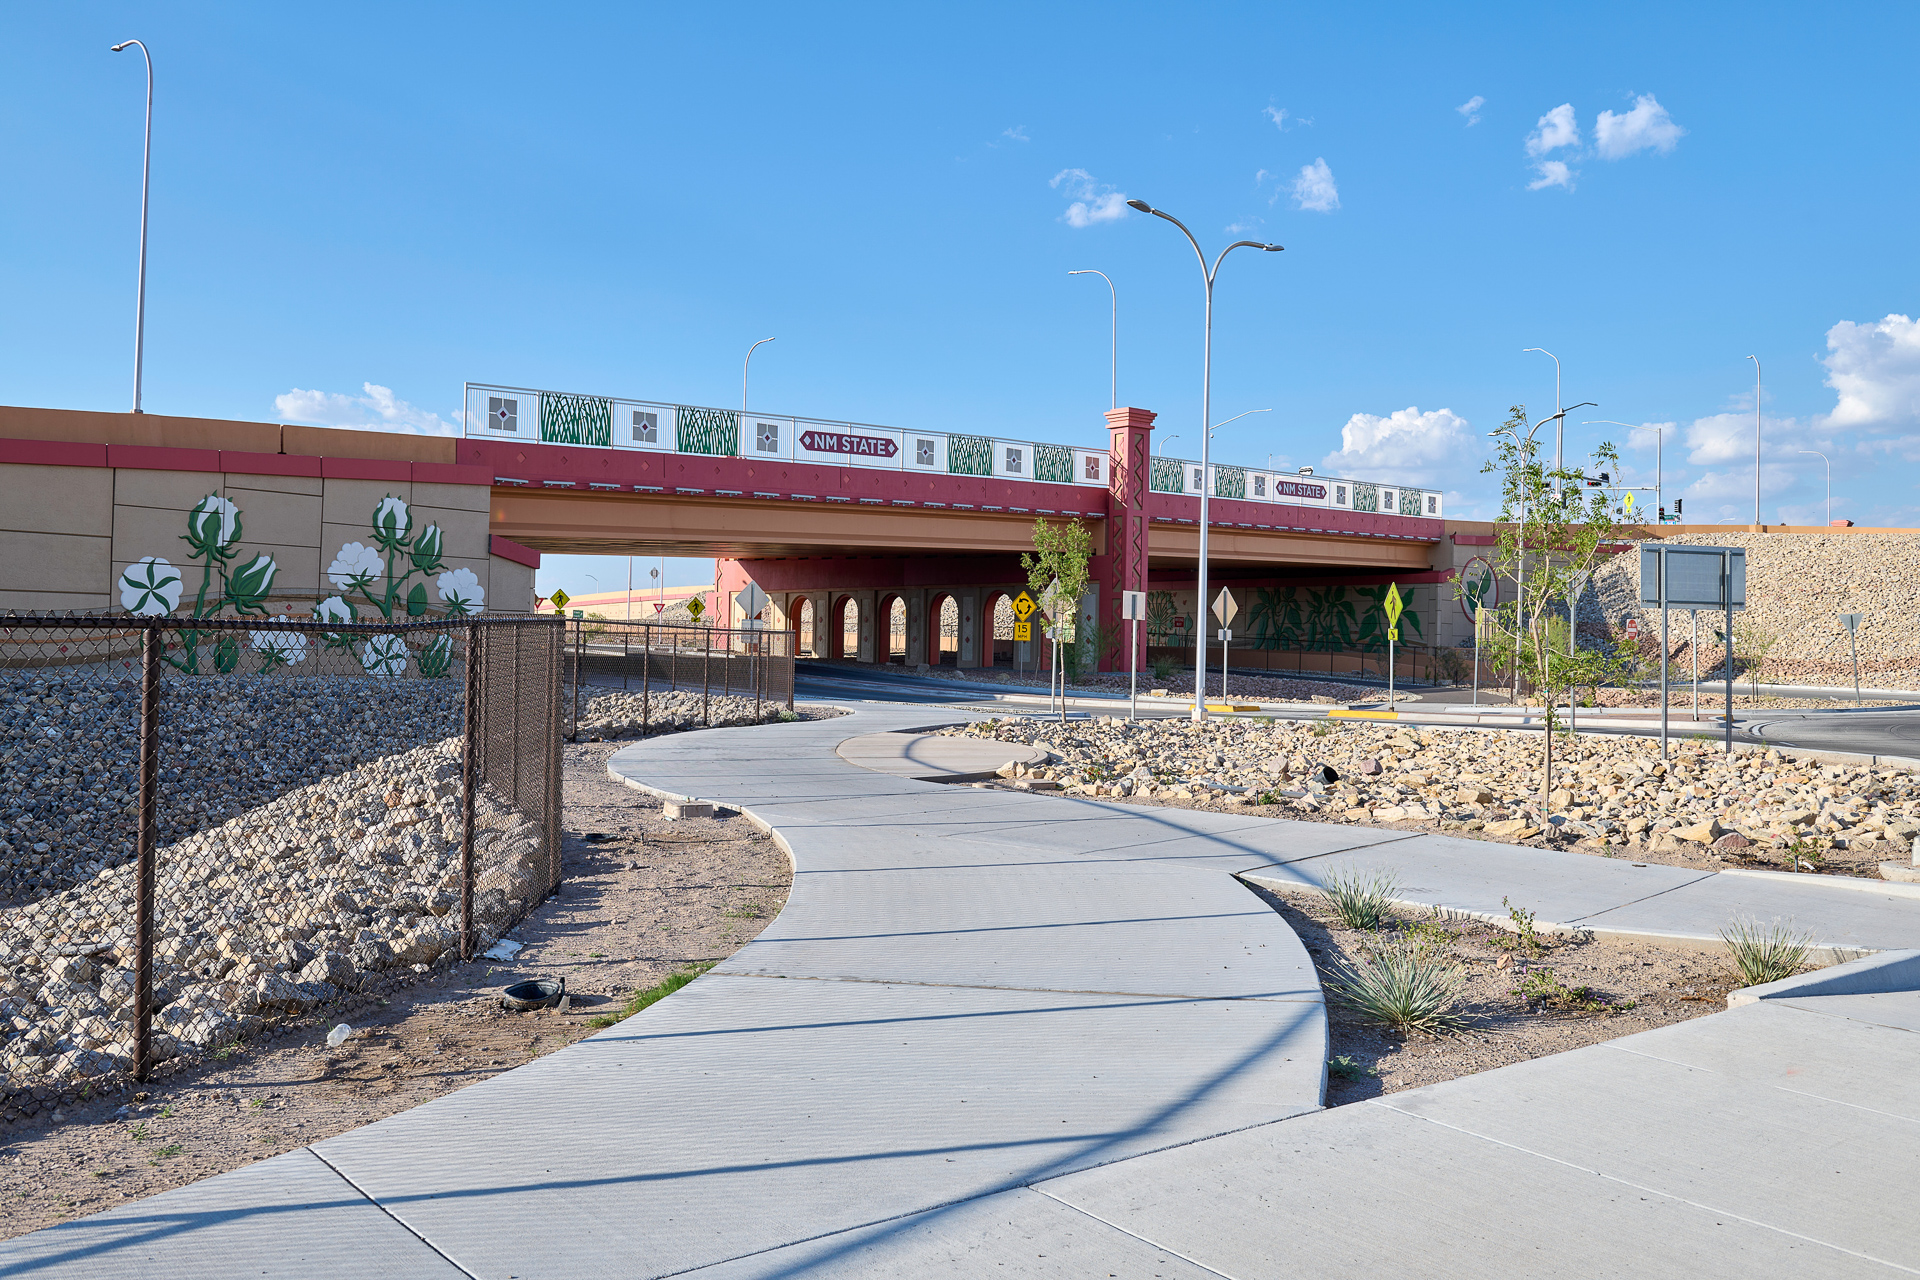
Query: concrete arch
x=943 y=629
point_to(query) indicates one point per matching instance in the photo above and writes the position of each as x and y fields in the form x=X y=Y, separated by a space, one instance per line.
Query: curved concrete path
x=1009 y=1034
x=960 y=999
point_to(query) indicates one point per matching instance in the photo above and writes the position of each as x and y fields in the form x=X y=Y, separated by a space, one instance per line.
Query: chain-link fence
x=630 y=679
x=211 y=825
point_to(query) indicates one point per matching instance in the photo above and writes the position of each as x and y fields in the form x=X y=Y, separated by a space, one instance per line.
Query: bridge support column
x=1130 y=433
x=968 y=602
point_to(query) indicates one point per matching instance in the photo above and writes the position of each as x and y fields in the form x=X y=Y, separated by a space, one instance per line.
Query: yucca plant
x=1409 y=988
x=1765 y=953
x=1361 y=898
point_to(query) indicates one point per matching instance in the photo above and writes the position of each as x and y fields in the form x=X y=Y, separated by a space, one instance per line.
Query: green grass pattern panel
x=1229 y=482
x=969 y=456
x=1166 y=475
x=566 y=419
x=1412 y=502
x=715 y=431
x=1053 y=463
x=1366 y=497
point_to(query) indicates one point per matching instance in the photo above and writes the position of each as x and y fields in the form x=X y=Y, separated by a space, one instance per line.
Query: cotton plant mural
x=381 y=575
x=391 y=575
x=153 y=587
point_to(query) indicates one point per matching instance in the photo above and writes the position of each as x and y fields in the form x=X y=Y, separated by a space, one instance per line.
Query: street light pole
x=745 y=365
x=1115 y=390
x=1208 y=274
x=146 y=171
x=1560 y=432
x=1823 y=457
x=1756 y=452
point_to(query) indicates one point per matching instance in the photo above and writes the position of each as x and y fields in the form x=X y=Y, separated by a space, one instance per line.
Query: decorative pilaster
x=1131 y=432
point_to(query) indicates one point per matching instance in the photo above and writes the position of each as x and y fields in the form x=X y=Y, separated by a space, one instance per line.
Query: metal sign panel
x=1851 y=621
x=1696 y=577
x=1023 y=606
x=559 y=599
x=751 y=600
x=1023 y=631
x=1225 y=606
x=1394 y=604
x=1133 y=606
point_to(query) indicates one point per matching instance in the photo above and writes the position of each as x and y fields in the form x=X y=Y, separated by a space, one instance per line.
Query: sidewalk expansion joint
x=1641 y=1186
x=1257 y=998
x=338 y=1173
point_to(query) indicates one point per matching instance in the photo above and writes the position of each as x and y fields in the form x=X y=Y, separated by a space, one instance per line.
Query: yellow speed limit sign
x=1023 y=631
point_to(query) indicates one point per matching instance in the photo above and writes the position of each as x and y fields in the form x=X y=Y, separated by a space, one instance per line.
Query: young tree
x=1551 y=532
x=1057 y=573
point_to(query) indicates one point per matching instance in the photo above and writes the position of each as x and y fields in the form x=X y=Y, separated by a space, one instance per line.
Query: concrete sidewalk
x=1032 y=1036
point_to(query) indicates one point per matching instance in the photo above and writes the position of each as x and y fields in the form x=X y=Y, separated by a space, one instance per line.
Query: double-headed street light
x=1206 y=434
x=146 y=169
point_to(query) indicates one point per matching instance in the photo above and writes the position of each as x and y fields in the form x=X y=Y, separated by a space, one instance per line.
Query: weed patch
x=659 y=991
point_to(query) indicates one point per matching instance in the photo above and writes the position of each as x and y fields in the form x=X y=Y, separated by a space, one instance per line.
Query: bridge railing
x=613 y=422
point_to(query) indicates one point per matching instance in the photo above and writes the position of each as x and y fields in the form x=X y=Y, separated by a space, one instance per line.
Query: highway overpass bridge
x=873 y=542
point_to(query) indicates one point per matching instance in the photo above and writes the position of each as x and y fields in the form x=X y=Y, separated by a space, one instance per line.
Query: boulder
x=1701 y=833
x=1512 y=829
x=331 y=968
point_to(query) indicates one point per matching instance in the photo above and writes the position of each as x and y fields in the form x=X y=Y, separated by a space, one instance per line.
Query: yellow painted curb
x=1363 y=715
x=1234 y=706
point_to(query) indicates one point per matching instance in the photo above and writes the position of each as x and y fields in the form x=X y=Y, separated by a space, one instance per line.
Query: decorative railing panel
x=521 y=413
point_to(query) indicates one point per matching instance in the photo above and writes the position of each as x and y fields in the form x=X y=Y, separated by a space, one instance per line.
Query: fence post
x=554 y=762
x=706 y=678
x=793 y=656
x=144 y=848
x=646 y=678
x=579 y=653
x=759 y=669
x=469 y=774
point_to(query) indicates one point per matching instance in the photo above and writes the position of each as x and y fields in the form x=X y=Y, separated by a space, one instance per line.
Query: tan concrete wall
x=67 y=533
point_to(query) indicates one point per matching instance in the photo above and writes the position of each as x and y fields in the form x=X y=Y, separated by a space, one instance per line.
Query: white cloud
x=1471 y=109
x=1242 y=225
x=1556 y=129
x=377 y=410
x=1405 y=447
x=1092 y=201
x=1018 y=133
x=1553 y=173
x=1314 y=189
x=1647 y=127
x=1875 y=368
x=1279 y=117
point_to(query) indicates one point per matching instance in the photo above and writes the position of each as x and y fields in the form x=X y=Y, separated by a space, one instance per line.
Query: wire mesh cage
x=210 y=825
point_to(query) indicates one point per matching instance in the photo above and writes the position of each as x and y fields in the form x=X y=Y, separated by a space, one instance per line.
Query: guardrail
x=523 y=414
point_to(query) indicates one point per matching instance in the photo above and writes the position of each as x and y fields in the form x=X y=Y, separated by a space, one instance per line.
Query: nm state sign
x=848 y=443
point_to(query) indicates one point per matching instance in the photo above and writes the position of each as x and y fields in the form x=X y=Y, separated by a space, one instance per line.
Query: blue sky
x=620 y=199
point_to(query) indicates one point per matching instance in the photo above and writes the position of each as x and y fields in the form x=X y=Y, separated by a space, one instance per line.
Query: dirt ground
x=1631 y=987
x=641 y=899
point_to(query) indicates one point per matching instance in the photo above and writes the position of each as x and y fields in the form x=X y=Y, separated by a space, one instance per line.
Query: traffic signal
x=1679 y=506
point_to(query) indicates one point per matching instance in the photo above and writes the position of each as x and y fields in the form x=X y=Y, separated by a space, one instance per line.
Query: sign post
x=1393 y=606
x=1133 y=607
x=1851 y=621
x=1687 y=577
x=1225 y=607
x=1479 y=629
x=1022 y=626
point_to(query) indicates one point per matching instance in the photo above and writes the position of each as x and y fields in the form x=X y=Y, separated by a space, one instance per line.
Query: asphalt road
x=1880 y=731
